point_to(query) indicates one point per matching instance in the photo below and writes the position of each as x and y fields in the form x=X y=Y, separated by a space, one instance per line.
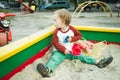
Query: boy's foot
x=42 y=70
x=104 y=62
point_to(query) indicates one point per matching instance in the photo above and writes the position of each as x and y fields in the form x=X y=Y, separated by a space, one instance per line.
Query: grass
x=6 y=10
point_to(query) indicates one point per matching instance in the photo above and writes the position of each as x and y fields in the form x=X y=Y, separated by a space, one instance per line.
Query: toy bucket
x=76 y=50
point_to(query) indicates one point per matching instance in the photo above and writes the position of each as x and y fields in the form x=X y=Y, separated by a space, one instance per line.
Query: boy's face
x=57 y=21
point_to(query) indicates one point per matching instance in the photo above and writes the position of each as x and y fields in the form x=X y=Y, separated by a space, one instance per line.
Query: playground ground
x=27 y=24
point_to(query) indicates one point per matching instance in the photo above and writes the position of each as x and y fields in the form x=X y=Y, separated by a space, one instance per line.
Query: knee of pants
x=55 y=60
x=87 y=59
x=58 y=56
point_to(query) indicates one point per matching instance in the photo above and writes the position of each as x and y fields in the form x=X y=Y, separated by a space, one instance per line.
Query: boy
x=64 y=37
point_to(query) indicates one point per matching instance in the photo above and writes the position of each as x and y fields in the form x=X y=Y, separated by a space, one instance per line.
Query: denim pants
x=59 y=57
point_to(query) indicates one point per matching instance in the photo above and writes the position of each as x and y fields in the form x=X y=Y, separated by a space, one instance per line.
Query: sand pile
x=75 y=70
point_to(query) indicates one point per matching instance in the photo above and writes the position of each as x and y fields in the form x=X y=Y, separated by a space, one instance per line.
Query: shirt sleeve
x=77 y=34
x=56 y=43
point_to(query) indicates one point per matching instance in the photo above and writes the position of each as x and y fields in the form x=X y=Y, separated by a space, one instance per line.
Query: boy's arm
x=56 y=43
x=77 y=35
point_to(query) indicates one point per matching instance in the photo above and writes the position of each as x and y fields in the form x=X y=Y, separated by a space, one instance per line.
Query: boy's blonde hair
x=64 y=15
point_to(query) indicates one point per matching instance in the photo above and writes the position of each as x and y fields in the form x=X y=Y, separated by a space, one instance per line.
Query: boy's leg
x=70 y=57
x=104 y=62
x=42 y=70
x=55 y=60
x=82 y=58
x=86 y=59
x=90 y=60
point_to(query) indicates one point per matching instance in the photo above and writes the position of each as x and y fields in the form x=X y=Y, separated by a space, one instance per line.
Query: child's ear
x=63 y=21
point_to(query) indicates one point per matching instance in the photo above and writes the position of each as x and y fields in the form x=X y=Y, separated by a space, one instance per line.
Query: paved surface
x=27 y=24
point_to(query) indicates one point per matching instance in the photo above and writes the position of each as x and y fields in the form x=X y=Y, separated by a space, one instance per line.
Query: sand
x=75 y=69
x=24 y=25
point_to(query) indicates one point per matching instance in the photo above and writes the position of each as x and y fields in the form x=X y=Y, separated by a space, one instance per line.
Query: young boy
x=63 y=38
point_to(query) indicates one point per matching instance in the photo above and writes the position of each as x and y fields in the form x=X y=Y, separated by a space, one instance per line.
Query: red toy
x=76 y=50
x=5 y=32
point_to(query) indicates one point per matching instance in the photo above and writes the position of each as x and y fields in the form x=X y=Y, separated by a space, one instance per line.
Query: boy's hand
x=69 y=39
x=67 y=51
